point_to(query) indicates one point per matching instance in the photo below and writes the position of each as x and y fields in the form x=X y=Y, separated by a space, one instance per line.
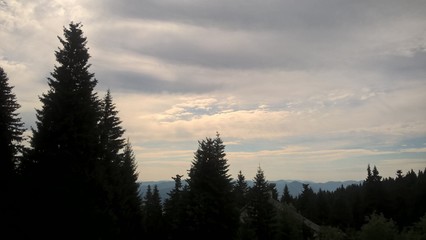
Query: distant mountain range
x=295 y=187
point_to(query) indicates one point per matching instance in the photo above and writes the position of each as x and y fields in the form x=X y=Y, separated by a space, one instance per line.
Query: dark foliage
x=153 y=214
x=240 y=191
x=400 y=199
x=63 y=163
x=261 y=215
x=212 y=210
x=119 y=176
x=11 y=130
x=286 y=197
x=175 y=207
x=80 y=173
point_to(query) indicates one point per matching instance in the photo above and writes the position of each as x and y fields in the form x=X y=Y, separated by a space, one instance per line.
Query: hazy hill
x=295 y=187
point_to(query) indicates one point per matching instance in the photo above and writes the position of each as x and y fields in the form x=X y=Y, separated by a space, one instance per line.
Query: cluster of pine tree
x=377 y=208
x=401 y=198
x=395 y=204
x=78 y=180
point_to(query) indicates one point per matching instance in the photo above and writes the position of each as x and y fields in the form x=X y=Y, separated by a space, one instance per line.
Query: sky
x=307 y=90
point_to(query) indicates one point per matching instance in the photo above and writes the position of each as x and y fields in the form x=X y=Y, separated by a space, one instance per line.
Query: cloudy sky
x=309 y=90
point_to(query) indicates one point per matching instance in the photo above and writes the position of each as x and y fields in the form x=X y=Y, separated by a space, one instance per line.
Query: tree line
x=77 y=179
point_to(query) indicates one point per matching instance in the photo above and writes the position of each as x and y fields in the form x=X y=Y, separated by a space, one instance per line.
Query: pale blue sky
x=310 y=90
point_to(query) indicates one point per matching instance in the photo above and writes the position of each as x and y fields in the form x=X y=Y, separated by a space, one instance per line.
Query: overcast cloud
x=310 y=90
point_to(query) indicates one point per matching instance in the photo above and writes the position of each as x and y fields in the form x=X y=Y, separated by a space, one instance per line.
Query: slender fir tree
x=175 y=208
x=212 y=210
x=128 y=201
x=286 y=197
x=240 y=190
x=111 y=132
x=119 y=176
x=153 y=218
x=11 y=130
x=262 y=215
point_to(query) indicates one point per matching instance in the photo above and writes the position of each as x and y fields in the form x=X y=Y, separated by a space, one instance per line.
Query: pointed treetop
x=11 y=127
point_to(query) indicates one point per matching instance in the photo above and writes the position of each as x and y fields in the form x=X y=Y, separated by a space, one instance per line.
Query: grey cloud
x=399 y=67
x=228 y=50
x=187 y=54
x=288 y=35
x=268 y=14
x=409 y=67
x=139 y=82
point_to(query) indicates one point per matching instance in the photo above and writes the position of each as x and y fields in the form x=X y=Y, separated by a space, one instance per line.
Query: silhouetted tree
x=111 y=142
x=153 y=214
x=111 y=132
x=286 y=197
x=399 y=174
x=306 y=202
x=340 y=209
x=376 y=177
x=64 y=166
x=240 y=190
x=11 y=130
x=369 y=175
x=175 y=208
x=375 y=195
x=261 y=213
x=119 y=174
x=213 y=211
x=322 y=207
x=127 y=201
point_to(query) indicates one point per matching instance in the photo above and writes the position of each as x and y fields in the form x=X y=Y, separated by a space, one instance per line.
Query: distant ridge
x=295 y=187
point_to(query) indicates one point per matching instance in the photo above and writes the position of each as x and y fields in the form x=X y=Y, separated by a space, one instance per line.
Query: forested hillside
x=77 y=179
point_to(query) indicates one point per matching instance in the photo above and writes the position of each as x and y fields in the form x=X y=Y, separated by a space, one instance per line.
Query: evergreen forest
x=77 y=179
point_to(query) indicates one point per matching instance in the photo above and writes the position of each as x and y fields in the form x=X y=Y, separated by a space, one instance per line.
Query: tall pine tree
x=65 y=155
x=153 y=214
x=119 y=176
x=111 y=132
x=261 y=213
x=128 y=200
x=240 y=190
x=375 y=194
x=11 y=130
x=213 y=211
x=175 y=208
